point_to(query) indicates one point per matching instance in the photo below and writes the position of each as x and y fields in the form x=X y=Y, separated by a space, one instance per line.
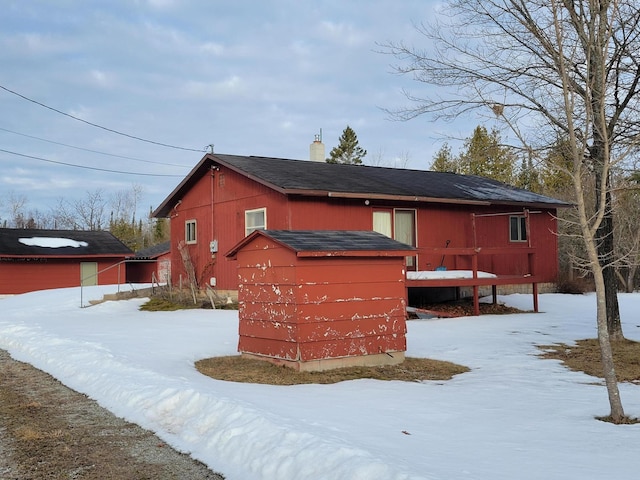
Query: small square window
x=255 y=220
x=190 y=231
x=518 y=229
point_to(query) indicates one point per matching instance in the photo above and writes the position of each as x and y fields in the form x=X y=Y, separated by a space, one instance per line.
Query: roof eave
x=164 y=209
x=405 y=198
x=68 y=256
x=533 y=204
x=354 y=253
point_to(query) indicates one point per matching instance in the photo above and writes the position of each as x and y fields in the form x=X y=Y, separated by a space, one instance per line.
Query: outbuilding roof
x=16 y=242
x=153 y=251
x=330 y=242
x=305 y=177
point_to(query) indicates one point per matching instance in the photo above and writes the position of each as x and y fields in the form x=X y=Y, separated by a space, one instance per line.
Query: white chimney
x=316 y=149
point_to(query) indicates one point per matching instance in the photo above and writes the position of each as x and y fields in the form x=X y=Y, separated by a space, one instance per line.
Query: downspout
x=212 y=232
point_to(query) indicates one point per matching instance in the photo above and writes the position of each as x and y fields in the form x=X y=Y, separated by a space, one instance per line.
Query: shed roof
x=309 y=243
x=304 y=177
x=154 y=251
x=59 y=243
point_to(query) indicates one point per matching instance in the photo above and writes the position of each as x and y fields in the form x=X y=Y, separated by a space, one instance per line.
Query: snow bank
x=513 y=416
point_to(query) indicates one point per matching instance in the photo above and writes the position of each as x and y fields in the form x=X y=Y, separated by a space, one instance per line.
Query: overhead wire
x=134 y=137
x=89 y=150
x=88 y=167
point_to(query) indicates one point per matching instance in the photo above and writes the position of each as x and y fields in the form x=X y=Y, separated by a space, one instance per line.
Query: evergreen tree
x=444 y=161
x=528 y=176
x=160 y=231
x=348 y=151
x=483 y=155
x=556 y=171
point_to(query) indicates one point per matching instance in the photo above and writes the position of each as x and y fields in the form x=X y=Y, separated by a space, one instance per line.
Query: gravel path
x=48 y=431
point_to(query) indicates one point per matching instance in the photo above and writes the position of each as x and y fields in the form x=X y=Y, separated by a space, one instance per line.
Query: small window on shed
x=255 y=220
x=518 y=228
x=190 y=231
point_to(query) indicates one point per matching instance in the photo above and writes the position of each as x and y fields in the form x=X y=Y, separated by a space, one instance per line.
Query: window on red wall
x=255 y=220
x=399 y=224
x=518 y=228
x=190 y=233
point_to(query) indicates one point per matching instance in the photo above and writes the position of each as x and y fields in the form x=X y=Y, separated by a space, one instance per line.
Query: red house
x=457 y=222
x=33 y=259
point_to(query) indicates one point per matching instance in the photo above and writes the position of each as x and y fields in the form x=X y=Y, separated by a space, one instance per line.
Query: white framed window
x=190 y=232
x=399 y=224
x=255 y=220
x=404 y=230
x=518 y=228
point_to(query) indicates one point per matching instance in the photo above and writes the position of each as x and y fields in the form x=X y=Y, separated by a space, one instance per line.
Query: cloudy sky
x=251 y=78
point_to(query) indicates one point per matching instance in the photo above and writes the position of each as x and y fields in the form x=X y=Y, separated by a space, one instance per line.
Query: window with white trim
x=190 y=233
x=518 y=228
x=399 y=224
x=255 y=220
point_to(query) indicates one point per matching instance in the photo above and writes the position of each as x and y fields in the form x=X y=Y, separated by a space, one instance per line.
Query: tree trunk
x=631 y=276
x=609 y=372
x=605 y=253
x=604 y=242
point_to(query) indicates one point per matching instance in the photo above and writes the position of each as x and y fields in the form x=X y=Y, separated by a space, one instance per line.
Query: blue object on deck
x=441 y=269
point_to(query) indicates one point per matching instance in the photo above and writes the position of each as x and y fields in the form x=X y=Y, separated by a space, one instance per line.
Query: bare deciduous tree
x=88 y=213
x=548 y=69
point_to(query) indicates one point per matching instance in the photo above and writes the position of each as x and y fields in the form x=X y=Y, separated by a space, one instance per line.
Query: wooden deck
x=475 y=280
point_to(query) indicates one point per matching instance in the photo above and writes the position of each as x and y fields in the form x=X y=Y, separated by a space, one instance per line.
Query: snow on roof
x=52 y=242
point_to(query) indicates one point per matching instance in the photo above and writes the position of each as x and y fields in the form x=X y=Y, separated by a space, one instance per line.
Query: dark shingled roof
x=303 y=177
x=154 y=250
x=328 y=241
x=335 y=240
x=98 y=243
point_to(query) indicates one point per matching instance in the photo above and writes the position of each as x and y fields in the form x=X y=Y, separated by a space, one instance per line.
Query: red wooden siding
x=20 y=276
x=302 y=309
x=144 y=272
x=218 y=202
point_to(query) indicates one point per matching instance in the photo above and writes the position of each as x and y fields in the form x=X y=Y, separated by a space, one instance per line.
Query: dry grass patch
x=238 y=369
x=31 y=434
x=584 y=356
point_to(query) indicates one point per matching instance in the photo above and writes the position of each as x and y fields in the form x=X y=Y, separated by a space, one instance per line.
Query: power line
x=88 y=168
x=96 y=125
x=89 y=150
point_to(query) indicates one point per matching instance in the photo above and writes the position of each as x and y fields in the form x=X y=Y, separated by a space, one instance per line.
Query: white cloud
x=161 y=4
x=101 y=78
x=232 y=85
x=212 y=48
x=342 y=33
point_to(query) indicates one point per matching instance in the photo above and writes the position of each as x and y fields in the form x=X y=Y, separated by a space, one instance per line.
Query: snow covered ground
x=514 y=416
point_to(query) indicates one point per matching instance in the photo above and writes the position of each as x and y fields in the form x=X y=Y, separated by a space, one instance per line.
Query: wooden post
x=494 y=293
x=532 y=262
x=473 y=230
x=476 y=300
x=476 y=289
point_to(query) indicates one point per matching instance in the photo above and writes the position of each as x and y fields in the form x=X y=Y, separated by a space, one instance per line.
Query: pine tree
x=528 y=176
x=444 y=160
x=485 y=156
x=348 y=151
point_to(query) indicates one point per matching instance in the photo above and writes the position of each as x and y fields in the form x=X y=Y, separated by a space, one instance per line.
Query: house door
x=88 y=274
x=399 y=224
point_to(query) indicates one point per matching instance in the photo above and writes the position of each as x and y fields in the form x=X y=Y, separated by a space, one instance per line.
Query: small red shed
x=150 y=265
x=321 y=299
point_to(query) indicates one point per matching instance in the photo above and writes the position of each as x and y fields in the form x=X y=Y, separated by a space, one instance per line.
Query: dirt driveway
x=48 y=431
